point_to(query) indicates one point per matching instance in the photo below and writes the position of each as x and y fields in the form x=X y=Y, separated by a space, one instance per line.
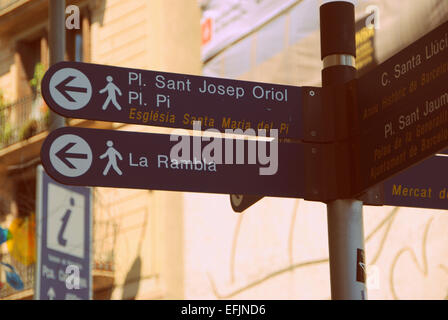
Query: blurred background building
x=152 y=244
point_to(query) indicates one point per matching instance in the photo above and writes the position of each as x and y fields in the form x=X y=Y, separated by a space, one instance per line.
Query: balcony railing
x=105 y=235
x=22 y=120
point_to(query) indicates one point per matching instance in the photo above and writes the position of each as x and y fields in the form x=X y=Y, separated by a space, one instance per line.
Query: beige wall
x=147 y=34
x=157 y=35
x=278 y=249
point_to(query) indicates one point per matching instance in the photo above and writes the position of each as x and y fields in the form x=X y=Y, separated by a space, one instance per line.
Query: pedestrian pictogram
x=112 y=91
x=111 y=154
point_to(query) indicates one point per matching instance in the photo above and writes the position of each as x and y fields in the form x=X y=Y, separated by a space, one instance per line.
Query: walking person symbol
x=112 y=90
x=112 y=154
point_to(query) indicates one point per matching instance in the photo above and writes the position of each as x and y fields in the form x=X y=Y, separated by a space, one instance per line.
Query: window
x=74 y=42
x=78 y=40
x=29 y=52
x=33 y=49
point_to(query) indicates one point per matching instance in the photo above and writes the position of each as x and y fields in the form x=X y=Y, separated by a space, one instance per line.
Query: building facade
x=151 y=244
x=135 y=236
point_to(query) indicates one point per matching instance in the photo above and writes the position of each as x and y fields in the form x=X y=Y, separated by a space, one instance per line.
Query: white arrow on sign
x=70 y=89
x=71 y=155
x=51 y=294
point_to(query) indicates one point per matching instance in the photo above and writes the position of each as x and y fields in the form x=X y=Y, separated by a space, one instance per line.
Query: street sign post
x=107 y=93
x=92 y=157
x=64 y=246
x=402 y=120
x=344 y=215
x=404 y=109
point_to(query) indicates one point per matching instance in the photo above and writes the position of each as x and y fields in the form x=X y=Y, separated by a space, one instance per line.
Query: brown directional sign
x=403 y=107
x=107 y=93
x=92 y=157
x=425 y=185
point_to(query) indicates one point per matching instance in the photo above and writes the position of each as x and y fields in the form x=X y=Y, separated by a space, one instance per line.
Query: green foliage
x=39 y=72
x=5 y=133
x=5 y=126
x=2 y=99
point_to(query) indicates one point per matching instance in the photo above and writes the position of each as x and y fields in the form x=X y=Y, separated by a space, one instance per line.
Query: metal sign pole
x=56 y=16
x=345 y=223
x=56 y=37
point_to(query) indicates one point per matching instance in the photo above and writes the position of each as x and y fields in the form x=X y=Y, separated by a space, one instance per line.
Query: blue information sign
x=64 y=224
